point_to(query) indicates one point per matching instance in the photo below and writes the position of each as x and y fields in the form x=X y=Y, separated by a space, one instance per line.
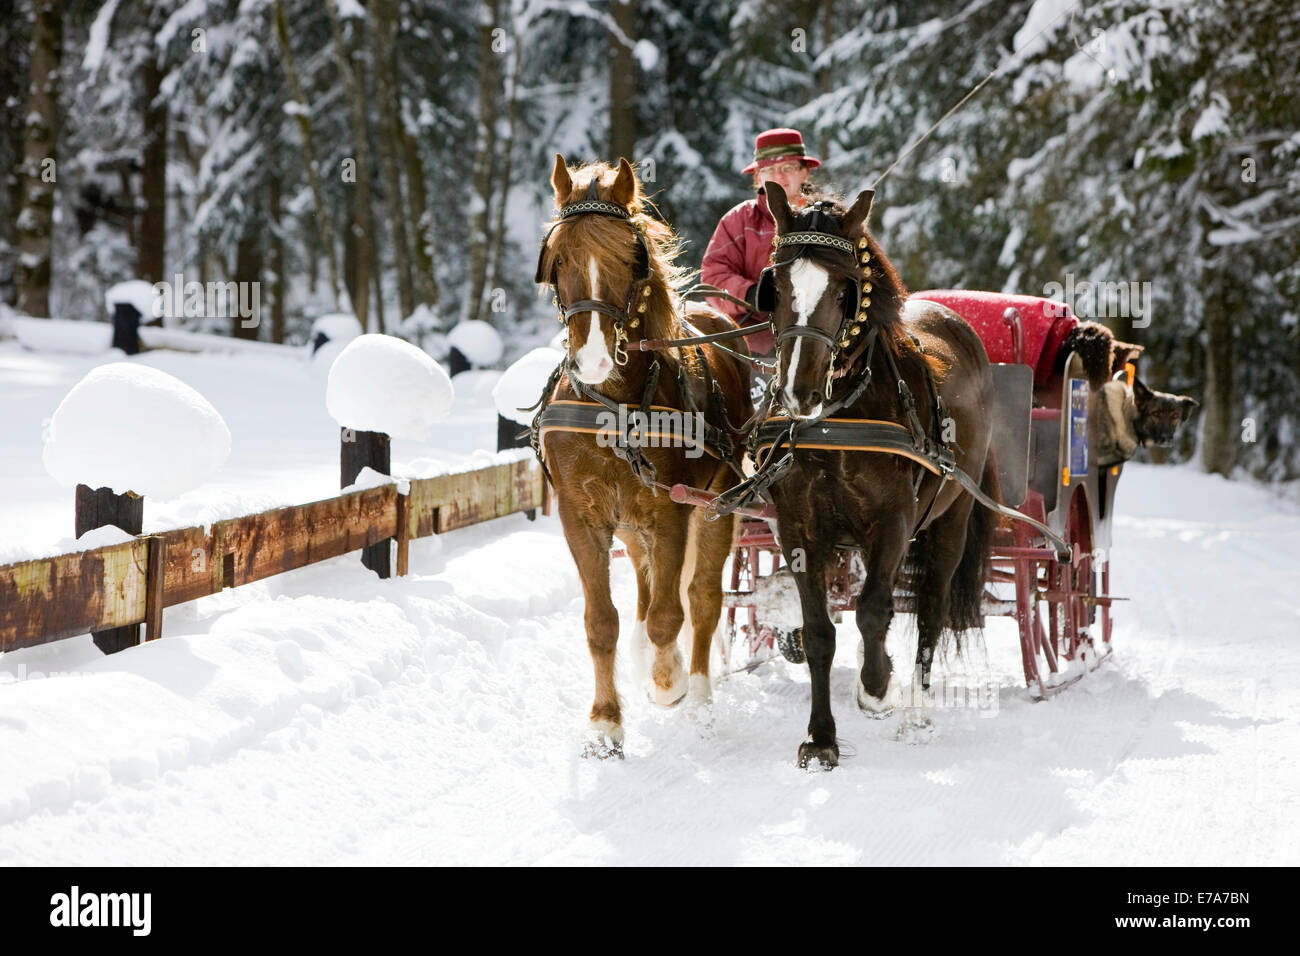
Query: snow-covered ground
x=324 y=716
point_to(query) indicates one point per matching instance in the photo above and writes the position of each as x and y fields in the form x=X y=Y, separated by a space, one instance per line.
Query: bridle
x=854 y=318
x=638 y=300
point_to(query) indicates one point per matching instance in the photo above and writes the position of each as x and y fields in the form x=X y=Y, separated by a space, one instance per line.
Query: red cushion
x=1044 y=322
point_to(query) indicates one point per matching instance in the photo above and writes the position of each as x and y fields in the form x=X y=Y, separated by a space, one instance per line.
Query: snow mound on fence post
x=522 y=383
x=131 y=427
x=140 y=294
x=336 y=327
x=382 y=384
x=478 y=342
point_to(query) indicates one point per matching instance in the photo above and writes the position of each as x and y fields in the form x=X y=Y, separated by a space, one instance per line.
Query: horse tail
x=966 y=596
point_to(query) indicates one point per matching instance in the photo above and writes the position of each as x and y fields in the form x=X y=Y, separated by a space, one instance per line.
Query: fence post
x=95 y=508
x=508 y=436
x=153 y=593
x=403 y=533
x=361 y=449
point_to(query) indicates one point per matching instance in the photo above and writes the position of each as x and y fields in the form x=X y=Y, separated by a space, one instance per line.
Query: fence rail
x=48 y=599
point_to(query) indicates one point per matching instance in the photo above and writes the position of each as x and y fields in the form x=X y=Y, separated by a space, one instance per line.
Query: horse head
x=600 y=256
x=819 y=289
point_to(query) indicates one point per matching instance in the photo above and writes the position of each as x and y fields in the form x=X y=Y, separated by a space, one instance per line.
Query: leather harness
x=771 y=438
x=590 y=414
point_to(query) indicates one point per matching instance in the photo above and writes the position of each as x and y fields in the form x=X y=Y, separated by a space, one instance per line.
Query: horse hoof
x=878 y=708
x=699 y=700
x=818 y=756
x=603 y=739
x=665 y=699
x=674 y=691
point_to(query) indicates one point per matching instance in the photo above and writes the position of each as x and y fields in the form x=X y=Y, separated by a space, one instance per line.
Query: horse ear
x=778 y=205
x=560 y=181
x=859 y=212
x=624 y=188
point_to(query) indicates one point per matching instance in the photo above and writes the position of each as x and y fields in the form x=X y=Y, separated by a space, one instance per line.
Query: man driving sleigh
x=739 y=250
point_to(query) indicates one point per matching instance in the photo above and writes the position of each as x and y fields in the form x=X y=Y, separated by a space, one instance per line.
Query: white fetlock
x=698 y=704
x=603 y=739
x=878 y=708
x=641 y=652
x=668 y=680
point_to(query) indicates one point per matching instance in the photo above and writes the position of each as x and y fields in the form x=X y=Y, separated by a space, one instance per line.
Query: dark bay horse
x=840 y=317
x=612 y=267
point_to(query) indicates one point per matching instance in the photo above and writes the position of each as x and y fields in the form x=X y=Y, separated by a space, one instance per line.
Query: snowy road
x=436 y=720
x=324 y=716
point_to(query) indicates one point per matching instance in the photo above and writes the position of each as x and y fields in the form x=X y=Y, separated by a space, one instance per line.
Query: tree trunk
x=35 y=225
x=622 y=82
x=426 y=283
x=248 y=269
x=277 y=264
x=353 y=272
x=376 y=241
x=824 y=74
x=151 y=252
x=507 y=154
x=324 y=221
x=1219 y=428
x=363 y=227
x=382 y=33
x=489 y=81
x=311 y=249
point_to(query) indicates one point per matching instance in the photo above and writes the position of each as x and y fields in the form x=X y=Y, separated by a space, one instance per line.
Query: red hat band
x=775 y=145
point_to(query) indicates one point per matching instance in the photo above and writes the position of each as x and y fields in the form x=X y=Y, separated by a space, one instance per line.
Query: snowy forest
x=390 y=158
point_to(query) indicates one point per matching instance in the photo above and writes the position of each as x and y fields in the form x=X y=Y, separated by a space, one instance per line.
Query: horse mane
x=619 y=256
x=887 y=295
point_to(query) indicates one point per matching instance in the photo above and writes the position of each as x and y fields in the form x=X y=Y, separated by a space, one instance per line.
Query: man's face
x=790 y=174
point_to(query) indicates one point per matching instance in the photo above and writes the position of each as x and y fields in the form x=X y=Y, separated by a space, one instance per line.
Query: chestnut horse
x=850 y=347
x=616 y=284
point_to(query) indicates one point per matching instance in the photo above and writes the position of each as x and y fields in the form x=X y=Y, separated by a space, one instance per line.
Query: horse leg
x=712 y=541
x=877 y=691
x=590 y=548
x=943 y=544
x=819 y=648
x=664 y=615
x=636 y=553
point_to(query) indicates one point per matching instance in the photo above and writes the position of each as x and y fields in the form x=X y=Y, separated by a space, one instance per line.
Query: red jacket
x=739 y=250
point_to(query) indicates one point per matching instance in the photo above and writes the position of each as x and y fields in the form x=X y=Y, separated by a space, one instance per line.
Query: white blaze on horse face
x=809 y=281
x=593 y=359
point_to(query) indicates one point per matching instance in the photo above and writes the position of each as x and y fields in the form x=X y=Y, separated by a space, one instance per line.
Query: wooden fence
x=48 y=599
